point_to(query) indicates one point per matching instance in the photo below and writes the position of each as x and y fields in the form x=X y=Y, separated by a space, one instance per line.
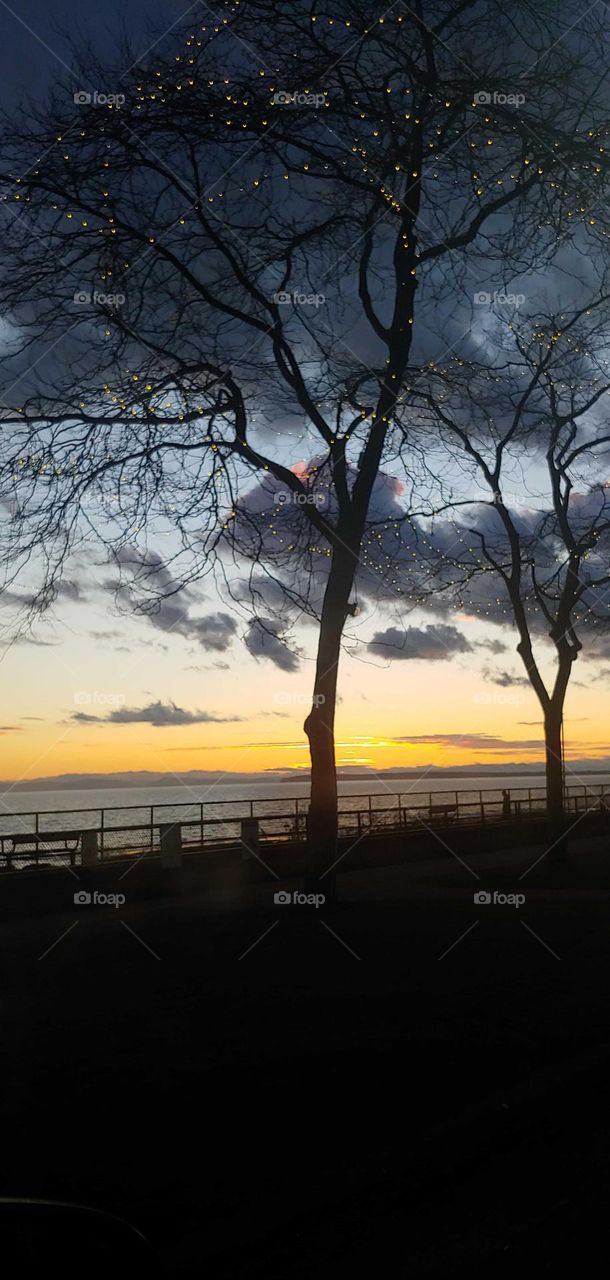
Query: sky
x=92 y=690
x=36 y=33
x=95 y=692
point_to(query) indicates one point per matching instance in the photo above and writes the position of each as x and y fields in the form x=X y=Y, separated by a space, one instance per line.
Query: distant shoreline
x=453 y=773
x=140 y=781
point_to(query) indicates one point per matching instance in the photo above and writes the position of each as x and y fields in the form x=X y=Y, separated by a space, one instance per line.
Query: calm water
x=131 y=805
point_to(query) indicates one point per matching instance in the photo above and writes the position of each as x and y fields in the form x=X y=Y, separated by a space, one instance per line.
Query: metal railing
x=134 y=830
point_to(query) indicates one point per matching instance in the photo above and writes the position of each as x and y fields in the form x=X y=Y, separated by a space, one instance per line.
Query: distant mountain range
x=204 y=777
x=131 y=778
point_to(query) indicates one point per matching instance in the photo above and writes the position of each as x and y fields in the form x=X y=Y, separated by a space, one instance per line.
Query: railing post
x=101 y=833
x=482 y=805
x=88 y=848
x=152 y=829
x=201 y=821
x=170 y=844
x=250 y=838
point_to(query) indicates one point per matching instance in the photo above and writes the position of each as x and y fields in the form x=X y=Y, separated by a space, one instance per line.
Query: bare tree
x=531 y=431
x=232 y=254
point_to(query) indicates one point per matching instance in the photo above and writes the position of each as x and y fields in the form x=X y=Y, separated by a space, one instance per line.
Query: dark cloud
x=485 y=741
x=573 y=720
x=70 y=589
x=160 y=714
x=155 y=595
x=65 y=589
x=213 y=632
x=493 y=646
x=264 y=640
x=598 y=648
x=211 y=666
x=505 y=678
x=153 y=644
x=432 y=643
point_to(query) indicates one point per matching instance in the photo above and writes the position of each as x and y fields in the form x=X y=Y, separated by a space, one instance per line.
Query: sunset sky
x=226 y=710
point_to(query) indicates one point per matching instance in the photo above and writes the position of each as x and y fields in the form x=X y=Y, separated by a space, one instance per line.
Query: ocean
x=132 y=805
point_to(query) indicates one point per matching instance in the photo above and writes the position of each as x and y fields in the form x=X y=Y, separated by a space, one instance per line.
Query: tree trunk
x=319 y=726
x=554 y=784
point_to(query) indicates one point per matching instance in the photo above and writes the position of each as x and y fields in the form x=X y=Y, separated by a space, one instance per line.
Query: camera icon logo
x=81 y=98
x=81 y=297
x=482 y=898
x=482 y=299
x=282 y=898
x=82 y=898
x=482 y=98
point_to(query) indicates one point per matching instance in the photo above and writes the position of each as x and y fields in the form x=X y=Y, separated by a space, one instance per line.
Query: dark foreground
x=412 y=1080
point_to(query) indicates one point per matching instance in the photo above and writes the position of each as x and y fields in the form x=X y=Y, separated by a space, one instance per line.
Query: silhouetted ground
x=279 y=1091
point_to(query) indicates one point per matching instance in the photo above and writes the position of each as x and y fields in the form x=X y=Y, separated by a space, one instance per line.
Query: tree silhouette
x=531 y=433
